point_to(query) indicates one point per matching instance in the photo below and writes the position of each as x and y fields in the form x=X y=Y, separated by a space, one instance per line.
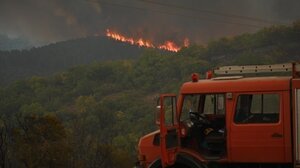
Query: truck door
x=168 y=124
x=256 y=130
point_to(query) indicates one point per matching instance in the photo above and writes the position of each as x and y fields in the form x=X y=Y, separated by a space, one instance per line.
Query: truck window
x=170 y=109
x=257 y=108
x=203 y=104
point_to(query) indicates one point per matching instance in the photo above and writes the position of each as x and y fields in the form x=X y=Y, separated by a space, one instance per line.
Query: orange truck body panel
x=245 y=143
x=252 y=143
x=148 y=152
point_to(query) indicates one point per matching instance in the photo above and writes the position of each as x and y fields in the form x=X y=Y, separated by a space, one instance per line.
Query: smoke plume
x=45 y=21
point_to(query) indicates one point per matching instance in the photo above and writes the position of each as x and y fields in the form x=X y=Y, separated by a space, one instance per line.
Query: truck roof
x=237 y=84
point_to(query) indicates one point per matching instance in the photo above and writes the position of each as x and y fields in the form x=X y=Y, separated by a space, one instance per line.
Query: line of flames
x=167 y=45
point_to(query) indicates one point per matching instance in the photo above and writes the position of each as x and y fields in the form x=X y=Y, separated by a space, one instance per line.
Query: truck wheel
x=182 y=161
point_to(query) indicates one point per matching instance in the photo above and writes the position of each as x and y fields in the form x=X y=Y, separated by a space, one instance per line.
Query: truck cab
x=228 y=121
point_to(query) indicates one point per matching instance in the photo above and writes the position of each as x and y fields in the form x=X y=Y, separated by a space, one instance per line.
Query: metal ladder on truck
x=253 y=69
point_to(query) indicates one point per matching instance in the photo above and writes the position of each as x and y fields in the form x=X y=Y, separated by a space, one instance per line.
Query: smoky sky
x=46 y=21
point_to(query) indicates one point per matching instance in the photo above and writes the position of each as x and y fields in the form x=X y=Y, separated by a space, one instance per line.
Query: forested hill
x=93 y=115
x=269 y=45
x=60 y=56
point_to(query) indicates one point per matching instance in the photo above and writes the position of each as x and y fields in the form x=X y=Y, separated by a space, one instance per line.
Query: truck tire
x=183 y=161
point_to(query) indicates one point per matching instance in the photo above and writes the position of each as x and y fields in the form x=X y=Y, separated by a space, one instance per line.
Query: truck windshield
x=203 y=104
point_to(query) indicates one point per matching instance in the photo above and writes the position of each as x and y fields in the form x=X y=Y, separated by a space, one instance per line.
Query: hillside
x=93 y=115
x=269 y=45
x=60 y=56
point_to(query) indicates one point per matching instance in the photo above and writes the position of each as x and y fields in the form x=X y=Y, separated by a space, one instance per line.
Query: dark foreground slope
x=93 y=115
x=53 y=58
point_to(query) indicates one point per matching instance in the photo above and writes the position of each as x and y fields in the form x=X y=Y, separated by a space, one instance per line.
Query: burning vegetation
x=167 y=45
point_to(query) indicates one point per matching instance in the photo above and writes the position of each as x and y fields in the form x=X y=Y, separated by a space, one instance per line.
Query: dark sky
x=45 y=21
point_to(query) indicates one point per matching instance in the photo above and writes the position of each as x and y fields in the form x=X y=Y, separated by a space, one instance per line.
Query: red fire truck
x=229 y=120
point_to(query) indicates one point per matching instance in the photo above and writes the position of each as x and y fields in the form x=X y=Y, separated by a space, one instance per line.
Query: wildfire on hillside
x=167 y=45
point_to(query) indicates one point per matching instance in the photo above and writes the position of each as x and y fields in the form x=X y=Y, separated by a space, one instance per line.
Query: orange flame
x=186 y=42
x=140 y=42
x=119 y=37
x=168 y=45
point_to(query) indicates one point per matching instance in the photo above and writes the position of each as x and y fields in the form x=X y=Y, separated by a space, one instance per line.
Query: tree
x=40 y=141
x=3 y=143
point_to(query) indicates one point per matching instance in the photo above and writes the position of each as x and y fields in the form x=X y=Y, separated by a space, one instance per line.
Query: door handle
x=276 y=135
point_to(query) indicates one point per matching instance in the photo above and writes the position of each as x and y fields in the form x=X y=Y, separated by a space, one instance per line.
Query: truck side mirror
x=157 y=112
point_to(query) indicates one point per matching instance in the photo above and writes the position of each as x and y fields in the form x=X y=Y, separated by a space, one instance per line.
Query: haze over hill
x=8 y=43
